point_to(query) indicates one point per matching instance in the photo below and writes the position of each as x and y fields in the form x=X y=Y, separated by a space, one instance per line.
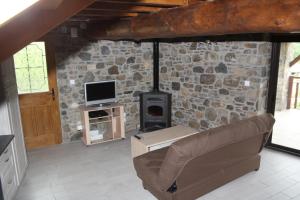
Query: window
x=31 y=69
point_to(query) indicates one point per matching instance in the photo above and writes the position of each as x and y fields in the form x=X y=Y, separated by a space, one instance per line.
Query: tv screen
x=100 y=92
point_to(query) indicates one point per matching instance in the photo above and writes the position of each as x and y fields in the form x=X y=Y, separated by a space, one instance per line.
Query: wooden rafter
x=50 y=5
x=102 y=19
x=217 y=17
x=160 y=3
x=98 y=19
x=92 y=13
x=105 y=10
x=100 y=6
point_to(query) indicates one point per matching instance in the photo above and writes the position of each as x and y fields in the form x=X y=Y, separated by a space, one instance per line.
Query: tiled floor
x=286 y=129
x=105 y=172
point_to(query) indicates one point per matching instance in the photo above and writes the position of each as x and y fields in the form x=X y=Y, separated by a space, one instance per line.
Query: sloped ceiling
x=39 y=19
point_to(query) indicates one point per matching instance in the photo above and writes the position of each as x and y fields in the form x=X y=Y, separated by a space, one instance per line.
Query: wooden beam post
x=219 y=17
x=35 y=22
x=51 y=5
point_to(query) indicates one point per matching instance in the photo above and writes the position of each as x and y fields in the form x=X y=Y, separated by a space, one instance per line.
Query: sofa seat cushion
x=148 y=165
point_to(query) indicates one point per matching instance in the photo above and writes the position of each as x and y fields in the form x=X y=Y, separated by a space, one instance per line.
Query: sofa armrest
x=148 y=165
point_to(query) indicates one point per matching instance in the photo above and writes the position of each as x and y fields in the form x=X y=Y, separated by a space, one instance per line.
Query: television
x=100 y=92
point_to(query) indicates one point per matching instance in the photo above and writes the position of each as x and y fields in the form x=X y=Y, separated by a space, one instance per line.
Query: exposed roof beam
x=162 y=3
x=106 y=13
x=116 y=10
x=102 y=20
x=197 y=1
x=50 y=5
x=98 y=19
x=122 y=7
x=33 y=23
x=209 y=18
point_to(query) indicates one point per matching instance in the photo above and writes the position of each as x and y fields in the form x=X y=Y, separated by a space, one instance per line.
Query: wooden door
x=38 y=96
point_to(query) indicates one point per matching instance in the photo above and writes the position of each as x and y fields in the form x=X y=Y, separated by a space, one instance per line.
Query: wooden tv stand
x=107 y=120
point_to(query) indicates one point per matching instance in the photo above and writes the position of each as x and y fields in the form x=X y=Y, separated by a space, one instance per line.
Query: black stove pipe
x=155 y=66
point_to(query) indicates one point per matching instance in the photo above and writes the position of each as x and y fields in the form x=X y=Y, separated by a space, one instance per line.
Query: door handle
x=53 y=94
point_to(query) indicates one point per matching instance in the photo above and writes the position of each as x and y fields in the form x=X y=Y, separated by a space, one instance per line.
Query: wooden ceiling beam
x=98 y=19
x=50 y=5
x=208 y=18
x=122 y=7
x=35 y=22
x=160 y=3
x=197 y=1
x=107 y=12
x=116 y=10
x=114 y=14
x=102 y=20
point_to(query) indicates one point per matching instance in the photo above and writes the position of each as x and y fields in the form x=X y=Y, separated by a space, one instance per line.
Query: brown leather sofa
x=202 y=162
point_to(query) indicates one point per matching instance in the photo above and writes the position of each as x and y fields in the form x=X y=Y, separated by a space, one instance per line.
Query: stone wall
x=129 y=63
x=207 y=81
x=286 y=56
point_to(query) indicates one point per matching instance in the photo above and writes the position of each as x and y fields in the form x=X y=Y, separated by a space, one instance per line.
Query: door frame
x=52 y=82
x=51 y=69
x=272 y=91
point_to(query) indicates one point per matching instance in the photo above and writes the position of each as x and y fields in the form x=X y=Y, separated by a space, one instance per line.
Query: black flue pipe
x=155 y=66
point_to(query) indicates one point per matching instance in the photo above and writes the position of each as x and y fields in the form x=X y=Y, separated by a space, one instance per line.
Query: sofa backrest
x=189 y=148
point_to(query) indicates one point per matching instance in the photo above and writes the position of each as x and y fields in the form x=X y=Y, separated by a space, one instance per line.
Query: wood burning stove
x=155 y=106
x=155 y=110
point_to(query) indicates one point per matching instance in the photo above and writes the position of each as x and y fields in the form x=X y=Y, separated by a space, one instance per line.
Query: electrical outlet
x=72 y=82
x=91 y=67
x=79 y=127
x=247 y=83
x=74 y=105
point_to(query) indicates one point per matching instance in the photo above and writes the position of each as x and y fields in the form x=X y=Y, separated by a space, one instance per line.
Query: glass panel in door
x=286 y=130
x=31 y=69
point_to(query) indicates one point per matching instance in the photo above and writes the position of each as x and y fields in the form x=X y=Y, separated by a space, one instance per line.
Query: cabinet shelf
x=94 y=123
x=99 y=121
x=114 y=129
x=93 y=118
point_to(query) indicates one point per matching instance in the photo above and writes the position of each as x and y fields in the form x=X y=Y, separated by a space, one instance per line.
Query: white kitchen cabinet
x=8 y=173
x=11 y=124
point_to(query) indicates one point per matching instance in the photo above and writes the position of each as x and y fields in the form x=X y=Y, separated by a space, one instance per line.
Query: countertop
x=4 y=142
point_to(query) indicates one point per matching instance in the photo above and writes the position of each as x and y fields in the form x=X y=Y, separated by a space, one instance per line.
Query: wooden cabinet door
x=39 y=104
x=16 y=129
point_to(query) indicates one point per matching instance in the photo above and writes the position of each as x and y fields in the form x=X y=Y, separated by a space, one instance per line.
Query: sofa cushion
x=184 y=150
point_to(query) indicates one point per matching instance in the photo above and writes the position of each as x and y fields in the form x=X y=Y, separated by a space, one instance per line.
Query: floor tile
x=105 y=172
